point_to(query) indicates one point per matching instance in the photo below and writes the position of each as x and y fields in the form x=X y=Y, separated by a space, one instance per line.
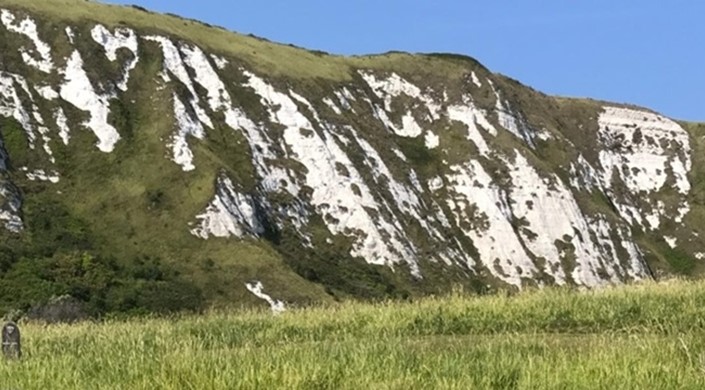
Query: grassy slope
x=268 y=58
x=645 y=336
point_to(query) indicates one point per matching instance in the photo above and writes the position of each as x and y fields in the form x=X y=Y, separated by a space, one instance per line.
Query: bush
x=143 y=297
x=137 y=7
x=62 y=309
x=88 y=285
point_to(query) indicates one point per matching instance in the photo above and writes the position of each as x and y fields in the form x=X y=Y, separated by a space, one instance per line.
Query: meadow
x=648 y=336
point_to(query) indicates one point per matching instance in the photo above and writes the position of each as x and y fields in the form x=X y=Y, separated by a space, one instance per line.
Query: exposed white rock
x=77 y=90
x=404 y=196
x=600 y=239
x=415 y=182
x=10 y=200
x=28 y=28
x=637 y=267
x=273 y=177
x=630 y=213
x=310 y=108
x=41 y=175
x=11 y=105
x=220 y=62
x=481 y=211
x=10 y=203
x=654 y=220
x=258 y=290
x=187 y=126
x=682 y=211
x=70 y=34
x=544 y=135
x=328 y=102
x=112 y=42
x=344 y=209
x=649 y=169
x=671 y=241
x=399 y=154
x=47 y=92
x=551 y=227
x=41 y=128
x=641 y=147
x=584 y=176
x=347 y=95
x=344 y=97
x=700 y=255
x=62 y=123
x=432 y=140
x=471 y=116
x=553 y=215
x=476 y=80
x=230 y=213
x=380 y=114
x=44 y=133
x=409 y=127
x=174 y=64
x=507 y=119
x=392 y=87
x=206 y=76
x=22 y=82
x=549 y=216
x=510 y=120
x=435 y=184
x=122 y=38
x=644 y=150
x=11 y=221
x=406 y=200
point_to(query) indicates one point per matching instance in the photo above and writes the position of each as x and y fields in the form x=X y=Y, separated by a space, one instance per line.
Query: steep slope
x=153 y=163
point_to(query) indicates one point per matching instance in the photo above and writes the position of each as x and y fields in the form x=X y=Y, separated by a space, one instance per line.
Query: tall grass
x=646 y=336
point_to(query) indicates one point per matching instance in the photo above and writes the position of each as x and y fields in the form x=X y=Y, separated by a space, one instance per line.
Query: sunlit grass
x=645 y=336
x=274 y=59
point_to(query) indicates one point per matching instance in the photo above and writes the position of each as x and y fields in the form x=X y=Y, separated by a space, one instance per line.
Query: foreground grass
x=641 y=337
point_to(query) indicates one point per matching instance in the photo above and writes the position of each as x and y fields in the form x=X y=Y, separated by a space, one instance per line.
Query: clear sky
x=645 y=52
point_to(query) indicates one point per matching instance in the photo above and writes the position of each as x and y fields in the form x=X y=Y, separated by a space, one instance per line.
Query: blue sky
x=645 y=52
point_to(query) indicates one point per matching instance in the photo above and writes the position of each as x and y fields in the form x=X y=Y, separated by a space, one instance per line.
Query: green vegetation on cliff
x=414 y=160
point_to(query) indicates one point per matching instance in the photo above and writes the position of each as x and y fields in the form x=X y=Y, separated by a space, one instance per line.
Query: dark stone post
x=11 y=341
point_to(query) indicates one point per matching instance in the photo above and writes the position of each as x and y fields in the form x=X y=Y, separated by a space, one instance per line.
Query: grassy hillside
x=267 y=57
x=128 y=211
x=645 y=336
x=115 y=231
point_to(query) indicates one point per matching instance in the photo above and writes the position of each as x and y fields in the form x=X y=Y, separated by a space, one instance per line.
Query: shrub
x=62 y=309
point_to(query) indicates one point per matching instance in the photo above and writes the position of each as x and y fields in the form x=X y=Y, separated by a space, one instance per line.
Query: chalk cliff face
x=395 y=174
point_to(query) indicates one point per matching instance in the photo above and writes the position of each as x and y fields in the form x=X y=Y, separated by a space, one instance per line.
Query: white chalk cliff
x=341 y=161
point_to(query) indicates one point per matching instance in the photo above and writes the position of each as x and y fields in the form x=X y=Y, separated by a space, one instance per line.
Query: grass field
x=648 y=336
